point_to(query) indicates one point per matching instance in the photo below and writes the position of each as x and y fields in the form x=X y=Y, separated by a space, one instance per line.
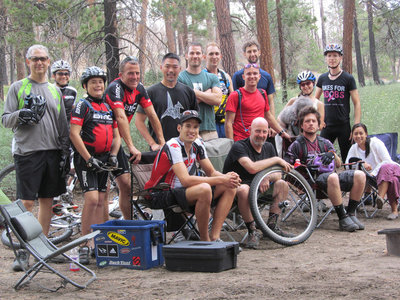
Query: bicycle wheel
x=8 y=182
x=295 y=224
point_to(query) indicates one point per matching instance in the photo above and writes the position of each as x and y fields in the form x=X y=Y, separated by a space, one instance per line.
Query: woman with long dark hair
x=379 y=164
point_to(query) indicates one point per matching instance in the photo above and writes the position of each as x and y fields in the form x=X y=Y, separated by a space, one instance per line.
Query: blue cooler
x=134 y=244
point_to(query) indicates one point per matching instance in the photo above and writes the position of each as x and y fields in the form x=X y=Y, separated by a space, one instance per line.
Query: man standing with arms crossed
x=205 y=86
x=337 y=87
x=40 y=137
x=123 y=95
x=170 y=98
x=213 y=57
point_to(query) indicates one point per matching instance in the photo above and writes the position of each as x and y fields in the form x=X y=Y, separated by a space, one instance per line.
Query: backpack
x=240 y=105
x=220 y=110
x=303 y=147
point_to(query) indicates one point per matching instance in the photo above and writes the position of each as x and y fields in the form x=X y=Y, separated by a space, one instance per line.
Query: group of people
x=186 y=109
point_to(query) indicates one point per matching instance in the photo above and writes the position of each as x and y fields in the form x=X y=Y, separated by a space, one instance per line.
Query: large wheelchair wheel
x=298 y=217
x=8 y=182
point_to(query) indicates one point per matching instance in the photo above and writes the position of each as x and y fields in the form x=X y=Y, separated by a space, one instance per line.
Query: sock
x=272 y=218
x=251 y=226
x=351 y=209
x=340 y=211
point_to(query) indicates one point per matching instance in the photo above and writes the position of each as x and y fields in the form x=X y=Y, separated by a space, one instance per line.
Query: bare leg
x=124 y=186
x=333 y=189
x=200 y=195
x=383 y=188
x=90 y=207
x=222 y=209
x=358 y=186
x=45 y=205
x=243 y=202
x=281 y=190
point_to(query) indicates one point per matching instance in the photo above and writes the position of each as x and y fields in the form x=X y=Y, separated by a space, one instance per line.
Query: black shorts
x=345 y=180
x=123 y=163
x=38 y=175
x=90 y=180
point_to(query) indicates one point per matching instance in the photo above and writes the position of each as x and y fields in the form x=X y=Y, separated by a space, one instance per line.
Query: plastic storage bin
x=135 y=244
x=201 y=256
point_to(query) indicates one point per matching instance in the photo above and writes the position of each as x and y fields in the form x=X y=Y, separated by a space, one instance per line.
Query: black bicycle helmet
x=60 y=65
x=333 y=48
x=91 y=72
x=36 y=104
x=304 y=76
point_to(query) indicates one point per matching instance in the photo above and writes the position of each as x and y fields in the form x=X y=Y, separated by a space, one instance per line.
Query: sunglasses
x=190 y=112
x=251 y=66
x=62 y=73
x=303 y=84
x=36 y=58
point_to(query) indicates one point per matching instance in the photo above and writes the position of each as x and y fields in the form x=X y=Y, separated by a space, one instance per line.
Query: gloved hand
x=113 y=161
x=64 y=165
x=327 y=157
x=93 y=164
x=27 y=117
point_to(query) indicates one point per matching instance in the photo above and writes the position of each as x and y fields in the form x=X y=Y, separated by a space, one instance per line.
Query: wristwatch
x=281 y=132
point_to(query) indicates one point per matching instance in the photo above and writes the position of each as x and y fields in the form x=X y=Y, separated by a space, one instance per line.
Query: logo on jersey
x=118 y=91
x=173 y=111
x=175 y=145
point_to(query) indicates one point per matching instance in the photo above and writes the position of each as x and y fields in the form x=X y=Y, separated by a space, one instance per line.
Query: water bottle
x=74 y=254
x=297 y=163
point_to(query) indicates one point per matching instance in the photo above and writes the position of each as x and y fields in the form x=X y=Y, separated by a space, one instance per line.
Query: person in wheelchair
x=175 y=165
x=310 y=148
x=379 y=164
x=248 y=157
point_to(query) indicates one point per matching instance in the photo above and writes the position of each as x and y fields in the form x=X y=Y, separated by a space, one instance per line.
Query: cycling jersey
x=97 y=123
x=69 y=96
x=173 y=152
x=118 y=95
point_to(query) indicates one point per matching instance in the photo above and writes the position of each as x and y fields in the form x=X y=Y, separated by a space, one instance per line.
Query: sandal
x=84 y=255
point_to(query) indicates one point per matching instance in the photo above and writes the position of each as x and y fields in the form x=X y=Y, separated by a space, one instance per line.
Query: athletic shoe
x=347 y=224
x=252 y=241
x=392 y=216
x=84 y=255
x=23 y=263
x=357 y=222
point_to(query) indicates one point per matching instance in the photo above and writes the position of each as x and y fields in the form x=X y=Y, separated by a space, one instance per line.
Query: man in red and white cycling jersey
x=175 y=164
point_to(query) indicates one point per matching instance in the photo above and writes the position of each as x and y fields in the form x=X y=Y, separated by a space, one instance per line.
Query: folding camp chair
x=28 y=231
x=140 y=197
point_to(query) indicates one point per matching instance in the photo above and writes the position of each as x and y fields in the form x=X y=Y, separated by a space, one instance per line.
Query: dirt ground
x=329 y=265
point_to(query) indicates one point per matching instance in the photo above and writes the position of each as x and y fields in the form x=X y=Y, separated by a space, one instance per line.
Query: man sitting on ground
x=175 y=165
x=248 y=157
x=307 y=147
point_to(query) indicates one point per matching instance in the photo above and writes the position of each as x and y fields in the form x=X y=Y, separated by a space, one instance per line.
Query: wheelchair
x=295 y=224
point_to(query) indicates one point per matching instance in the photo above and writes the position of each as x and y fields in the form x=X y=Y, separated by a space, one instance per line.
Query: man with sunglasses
x=251 y=51
x=206 y=86
x=61 y=71
x=40 y=139
x=124 y=95
x=175 y=165
x=246 y=104
x=337 y=86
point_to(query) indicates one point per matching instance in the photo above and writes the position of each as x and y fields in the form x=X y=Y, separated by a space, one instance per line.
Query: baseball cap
x=190 y=114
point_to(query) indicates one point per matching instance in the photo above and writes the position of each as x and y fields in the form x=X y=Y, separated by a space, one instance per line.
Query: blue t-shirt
x=265 y=82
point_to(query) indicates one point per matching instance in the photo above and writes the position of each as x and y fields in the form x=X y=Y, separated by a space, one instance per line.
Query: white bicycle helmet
x=333 y=48
x=304 y=76
x=60 y=65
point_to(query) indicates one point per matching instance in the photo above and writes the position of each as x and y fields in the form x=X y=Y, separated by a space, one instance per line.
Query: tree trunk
x=185 y=29
x=264 y=36
x=12 y=64
x=20 y=61
x=169 y=32
x=210 y=28
x=348 y=19
x=142 y=33
x=372 y=51
x=281 y=51
x=111 y=39
x=3 y=68
x=224 y=25
x=322 y=15
x=357 y=46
